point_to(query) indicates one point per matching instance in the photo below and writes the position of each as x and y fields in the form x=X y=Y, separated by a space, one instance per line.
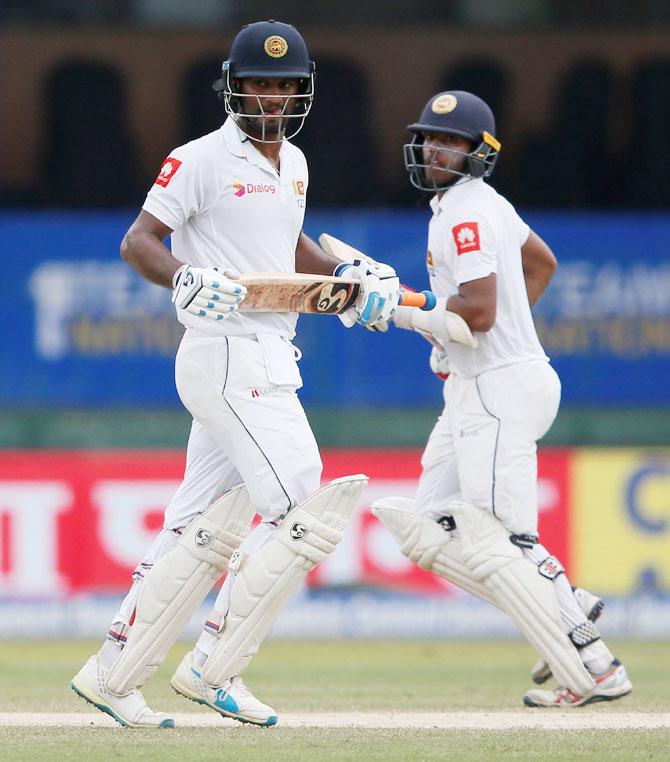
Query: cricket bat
x=307 y=293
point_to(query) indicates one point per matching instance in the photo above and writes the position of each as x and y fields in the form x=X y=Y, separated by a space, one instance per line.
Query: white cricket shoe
x=611 y=685
x=593 y=607
x=234 y=699
x=130 y=710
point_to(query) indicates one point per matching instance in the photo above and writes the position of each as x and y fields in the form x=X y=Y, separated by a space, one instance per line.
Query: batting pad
x=529 y=599
x=427 y=545
x=176 y=586
x=266 y=580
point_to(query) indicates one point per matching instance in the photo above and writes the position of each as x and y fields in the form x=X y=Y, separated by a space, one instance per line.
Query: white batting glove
x=439 y=363
x=379 y=295
x=207 y=291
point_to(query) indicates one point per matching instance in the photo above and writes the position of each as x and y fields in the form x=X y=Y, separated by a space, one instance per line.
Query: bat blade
x=298 y=292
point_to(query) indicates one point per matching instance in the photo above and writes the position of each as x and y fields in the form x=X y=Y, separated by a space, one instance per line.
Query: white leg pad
x=266 y=580
x=525 y=595
x=427 y=545
x=176 y=586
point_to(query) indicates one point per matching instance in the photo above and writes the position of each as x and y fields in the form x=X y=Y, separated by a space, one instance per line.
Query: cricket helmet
x=269 y=49
x=454 y=112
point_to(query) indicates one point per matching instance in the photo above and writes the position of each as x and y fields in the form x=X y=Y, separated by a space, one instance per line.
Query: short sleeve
x=185 y=186
x=524 y=230
x=474 y=248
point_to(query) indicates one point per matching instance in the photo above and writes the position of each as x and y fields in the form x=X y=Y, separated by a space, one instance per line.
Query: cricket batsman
x=474 y=518
x=233 y=201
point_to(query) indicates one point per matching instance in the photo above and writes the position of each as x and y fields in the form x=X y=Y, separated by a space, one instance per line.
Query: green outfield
x=343 y=677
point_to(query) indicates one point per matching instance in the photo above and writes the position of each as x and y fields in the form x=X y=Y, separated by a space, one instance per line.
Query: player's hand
x=207 y=291
x=439 y=363
x=379 y=295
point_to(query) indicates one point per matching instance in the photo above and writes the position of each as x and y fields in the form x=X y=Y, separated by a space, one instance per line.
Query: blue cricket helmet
x=454 y=112
x=267 y=49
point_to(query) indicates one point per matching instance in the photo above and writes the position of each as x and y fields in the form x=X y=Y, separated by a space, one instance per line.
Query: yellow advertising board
x=620 y=520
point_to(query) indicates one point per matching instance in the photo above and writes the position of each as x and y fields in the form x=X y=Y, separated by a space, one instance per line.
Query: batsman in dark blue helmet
x=267 y=50
x=233 y=202
x=474 y=519
x=454 y=137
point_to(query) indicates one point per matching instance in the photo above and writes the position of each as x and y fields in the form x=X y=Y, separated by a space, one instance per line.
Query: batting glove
x=379 y=294
x=207 y=291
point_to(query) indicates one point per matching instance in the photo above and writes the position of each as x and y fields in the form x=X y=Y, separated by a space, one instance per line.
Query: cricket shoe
x=593 y=607
x=611 y=685
x=130 y=710
x=234 y=699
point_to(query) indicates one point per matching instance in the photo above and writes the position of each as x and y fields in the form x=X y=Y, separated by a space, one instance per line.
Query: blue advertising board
x=82 y=329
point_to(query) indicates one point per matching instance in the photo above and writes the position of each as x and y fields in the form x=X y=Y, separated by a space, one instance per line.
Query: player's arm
x=476 y=302
x=143 y=249
x=311 y=258
x=203 y=291
x=539 y=265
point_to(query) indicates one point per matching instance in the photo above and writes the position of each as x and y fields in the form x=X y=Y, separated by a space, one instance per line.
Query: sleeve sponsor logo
x=466 y=236
x=299 y=187
x=168 y=170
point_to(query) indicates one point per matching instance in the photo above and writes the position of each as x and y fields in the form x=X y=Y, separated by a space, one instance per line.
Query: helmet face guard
x=478 y=163
x=452 y=113
x=267 y=50
x=248 y=113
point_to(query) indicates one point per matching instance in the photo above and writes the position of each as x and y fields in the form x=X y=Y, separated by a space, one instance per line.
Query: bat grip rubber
x=425 y=300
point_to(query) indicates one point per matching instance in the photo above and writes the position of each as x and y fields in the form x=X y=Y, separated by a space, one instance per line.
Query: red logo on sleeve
x=466 y=236
x=168 y=169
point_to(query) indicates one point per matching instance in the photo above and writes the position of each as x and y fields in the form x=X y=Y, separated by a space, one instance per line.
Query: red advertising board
x=75 y=521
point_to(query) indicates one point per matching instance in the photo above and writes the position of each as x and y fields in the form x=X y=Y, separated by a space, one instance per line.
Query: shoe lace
x=240 y=688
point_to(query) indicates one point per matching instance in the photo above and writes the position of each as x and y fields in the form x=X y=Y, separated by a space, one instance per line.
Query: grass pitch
x=343 y=676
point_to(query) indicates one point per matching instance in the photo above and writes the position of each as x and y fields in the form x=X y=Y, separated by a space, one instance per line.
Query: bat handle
x=425 y=300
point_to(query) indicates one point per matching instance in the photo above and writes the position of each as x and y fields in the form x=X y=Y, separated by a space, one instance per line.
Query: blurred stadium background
x=95 y=94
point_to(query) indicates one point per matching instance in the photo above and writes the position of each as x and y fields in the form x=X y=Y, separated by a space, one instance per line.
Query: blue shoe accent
x=271 y=720
x=226 y=702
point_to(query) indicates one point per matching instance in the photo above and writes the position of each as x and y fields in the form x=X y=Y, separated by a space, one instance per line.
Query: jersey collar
x=461 y=187
x=240 y=145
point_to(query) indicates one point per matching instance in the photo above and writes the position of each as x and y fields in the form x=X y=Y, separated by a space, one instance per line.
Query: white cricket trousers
x=483 y=447
x=248 y=425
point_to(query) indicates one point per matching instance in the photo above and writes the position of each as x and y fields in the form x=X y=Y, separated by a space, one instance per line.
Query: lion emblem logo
x=443 y=104
x=275 y=46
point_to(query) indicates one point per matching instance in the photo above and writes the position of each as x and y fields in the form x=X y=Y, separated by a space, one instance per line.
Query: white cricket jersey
x=228 y=207
x=474 y=232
